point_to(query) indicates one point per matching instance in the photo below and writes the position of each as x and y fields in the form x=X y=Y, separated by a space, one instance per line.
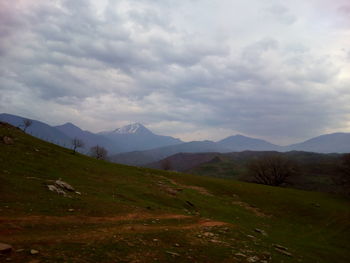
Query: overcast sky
x=193 y=69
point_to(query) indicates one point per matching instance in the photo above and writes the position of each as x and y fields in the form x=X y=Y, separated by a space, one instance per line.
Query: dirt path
x=16 y=229
x=88 y=219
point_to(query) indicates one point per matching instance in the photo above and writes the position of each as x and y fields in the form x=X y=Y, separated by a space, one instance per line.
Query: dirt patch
x=124 y=224
x=199 y=189
x=86 y=219
x=256 y=211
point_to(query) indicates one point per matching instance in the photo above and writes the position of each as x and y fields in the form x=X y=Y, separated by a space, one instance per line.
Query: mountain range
x=125 y=139
x=329 y=143
x=134 y=144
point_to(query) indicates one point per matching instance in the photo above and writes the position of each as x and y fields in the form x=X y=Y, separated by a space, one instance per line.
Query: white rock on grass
x=34 y=252
x=54 y=188
x=64 y=185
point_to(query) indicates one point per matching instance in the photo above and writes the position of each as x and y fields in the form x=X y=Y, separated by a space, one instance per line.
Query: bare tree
x=98 y=152
x=166 y=164
x=26 y=124
x=272 y=169
x=77 y=143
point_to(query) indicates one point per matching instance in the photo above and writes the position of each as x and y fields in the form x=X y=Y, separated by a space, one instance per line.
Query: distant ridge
x=90 y=139
x=328 y=143
x=239 y=143
x=38 y=129
x=134 y=144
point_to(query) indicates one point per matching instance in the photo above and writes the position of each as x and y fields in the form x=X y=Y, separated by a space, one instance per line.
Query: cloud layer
x=192 y=69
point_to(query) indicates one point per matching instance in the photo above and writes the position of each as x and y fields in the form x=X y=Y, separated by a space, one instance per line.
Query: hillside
x=315 y=169
x=126 y=214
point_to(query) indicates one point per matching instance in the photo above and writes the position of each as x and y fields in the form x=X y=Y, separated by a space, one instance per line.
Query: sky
x=193 y=69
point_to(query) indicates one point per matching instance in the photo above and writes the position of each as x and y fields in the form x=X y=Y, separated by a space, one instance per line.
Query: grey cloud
x=282 y=14
x=138 y=65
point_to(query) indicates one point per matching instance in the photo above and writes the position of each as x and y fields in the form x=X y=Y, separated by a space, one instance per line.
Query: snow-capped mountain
x=136 y=137
x=134 y=128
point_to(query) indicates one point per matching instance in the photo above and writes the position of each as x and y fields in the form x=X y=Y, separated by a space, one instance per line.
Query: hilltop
x=120 y=213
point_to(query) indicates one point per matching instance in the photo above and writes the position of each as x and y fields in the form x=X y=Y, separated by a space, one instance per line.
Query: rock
x=176 y=245
x=283 y=252
x=280 y=247
x=63 y=185
x=5 y=248
x=71 y=210
x=266 y=255
x=172 y=253
x=78 y=193
x=253 y=259
x=155 y=240
x=56 y=189
x=260 y=231
x=7 y=140
x=34 y=252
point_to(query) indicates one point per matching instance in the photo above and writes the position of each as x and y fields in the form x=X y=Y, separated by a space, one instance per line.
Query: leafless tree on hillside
x=272 y=169
x=77 y=143
x=26 y=124
x=98 y=152
x=166 y=164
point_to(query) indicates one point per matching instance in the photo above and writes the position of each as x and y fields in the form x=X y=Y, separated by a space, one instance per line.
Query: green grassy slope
x=315 y=227
x=316 y=171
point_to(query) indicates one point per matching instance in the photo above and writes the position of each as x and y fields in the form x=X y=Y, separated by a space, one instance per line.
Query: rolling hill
x=328 y=143
x=118 y=213
x=316 y=171
x=238 y=143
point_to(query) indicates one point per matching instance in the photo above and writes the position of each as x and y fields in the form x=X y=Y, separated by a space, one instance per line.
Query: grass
x=315 y=227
